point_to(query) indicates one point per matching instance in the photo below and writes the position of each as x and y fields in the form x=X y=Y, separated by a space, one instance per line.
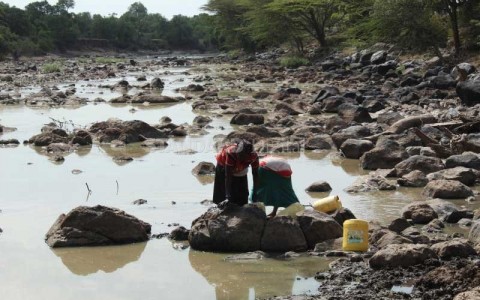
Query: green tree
x=409 y=23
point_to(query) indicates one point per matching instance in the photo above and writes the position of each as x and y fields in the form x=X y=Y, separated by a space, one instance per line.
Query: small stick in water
x=89 y=190
x=118 y=187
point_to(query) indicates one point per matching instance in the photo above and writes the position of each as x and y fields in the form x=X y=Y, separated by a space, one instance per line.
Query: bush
x=293 y=62
x=52 y=68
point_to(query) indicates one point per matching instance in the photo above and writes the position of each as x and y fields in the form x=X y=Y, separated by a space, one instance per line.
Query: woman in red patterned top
x=231 y=181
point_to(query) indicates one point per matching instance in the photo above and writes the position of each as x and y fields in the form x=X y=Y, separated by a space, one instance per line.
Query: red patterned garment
x=277 y=165
x=228 y=157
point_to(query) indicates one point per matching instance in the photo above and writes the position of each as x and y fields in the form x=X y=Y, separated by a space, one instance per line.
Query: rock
x=331 y=105
x=383 y=68
x=390 y=238
x=413 y=179
x=474 y=234
x=202 y=121
x=319 y=187
x=398 y=225
x=140 y=202
x=469 y=92
x=443 y=82
x=419 y=213
x=373 y=105
x=234 y=228
x=401 y=256
x=354 y=149
x=246 y=119
x=82 y=138
x=263 y=131
x=318 y=227
x=249 y=256
x=467 y=160
x=122 y=159
x=454 y=248
x=464 y=175
x=352 y=132
x=10 y=142
x=421 y=163
x=457 y=215
x=473 y=294
x=319 y=142
x=154 y=143
x=385 y=155
x=283 y=234
x=49 y=136
x=193 y=88
x=371 y=183
x=148 y=98
x=378 y=57
x=204 y=168
x=434 y=226
x=289 y=109
x=327 y=92
x=329 y=245
x=472 y=143
x=157 y=83
x=354 y=113
x=285 y=147
x=447 y=189
x=96 y=226
x=125 y=131
x=343 y=214
x=179 y=234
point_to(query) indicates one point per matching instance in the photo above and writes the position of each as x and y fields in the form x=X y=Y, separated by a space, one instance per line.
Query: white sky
x=167 y=8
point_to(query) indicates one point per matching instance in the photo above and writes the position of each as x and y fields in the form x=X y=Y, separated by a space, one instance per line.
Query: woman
x=231 y=181
x=274 y=184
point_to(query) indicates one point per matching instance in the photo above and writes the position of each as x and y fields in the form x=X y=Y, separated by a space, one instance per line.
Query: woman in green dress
x=274 y=186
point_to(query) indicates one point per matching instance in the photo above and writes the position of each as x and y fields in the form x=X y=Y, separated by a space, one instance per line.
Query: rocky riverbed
x=401 y=131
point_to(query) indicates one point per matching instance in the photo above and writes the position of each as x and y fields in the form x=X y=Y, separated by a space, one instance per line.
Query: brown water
x=34 y=192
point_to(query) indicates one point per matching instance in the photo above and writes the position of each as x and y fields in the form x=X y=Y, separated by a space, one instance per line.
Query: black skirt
x=239 y=187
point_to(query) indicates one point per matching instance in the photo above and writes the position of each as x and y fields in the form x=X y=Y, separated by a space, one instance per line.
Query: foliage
x=293 y=62
x=409 y=23
x=54 y=67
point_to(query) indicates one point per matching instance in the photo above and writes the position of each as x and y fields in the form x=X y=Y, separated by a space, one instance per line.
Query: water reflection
x=131 y=150
x=265 y=278
x=350 y=166
x=89 y=260
x=205 y=179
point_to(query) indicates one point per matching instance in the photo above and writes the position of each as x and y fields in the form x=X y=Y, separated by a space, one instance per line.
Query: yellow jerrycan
x=327 y=205
x=355 y=235
x=292 y=210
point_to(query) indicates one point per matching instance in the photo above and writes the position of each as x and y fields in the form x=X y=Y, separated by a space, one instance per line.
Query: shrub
x=293 y=62
x=52 y=67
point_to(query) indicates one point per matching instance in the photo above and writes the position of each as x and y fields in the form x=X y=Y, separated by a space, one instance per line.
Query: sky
x=168 y=8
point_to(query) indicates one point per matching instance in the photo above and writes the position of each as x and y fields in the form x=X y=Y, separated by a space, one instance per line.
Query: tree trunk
x=454 y=21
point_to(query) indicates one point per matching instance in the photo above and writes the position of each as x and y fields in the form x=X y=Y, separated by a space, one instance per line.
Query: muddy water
x=34 y=192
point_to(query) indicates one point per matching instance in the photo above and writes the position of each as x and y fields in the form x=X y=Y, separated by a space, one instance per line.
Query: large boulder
x=467 y=160
x=464 y=175
x=453 y=248
x=385 y=155
x=245 y=119
x=318 y=227
x=354 y=113
x=469 y=92
x=283 y=234
x=204 y=168
x=447 y=189
x=352 y=132
x=319 y=142
x=49 y=135
x=319 y=187
x=125 y=131
x=419 y=212
x=413 y=179
x=401 y=255
x=425 y=164
x=390 y=238
x=233 y=229
x=354 y=149
x=96 y=226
